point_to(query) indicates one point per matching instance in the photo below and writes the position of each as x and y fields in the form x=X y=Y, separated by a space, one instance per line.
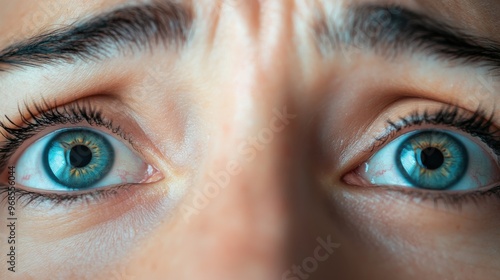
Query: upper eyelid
x=477 y=124
x=455 y=199
x=46 y=115
x=84 y=109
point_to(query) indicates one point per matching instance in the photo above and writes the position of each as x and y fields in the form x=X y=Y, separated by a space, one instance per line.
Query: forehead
x=23 y=19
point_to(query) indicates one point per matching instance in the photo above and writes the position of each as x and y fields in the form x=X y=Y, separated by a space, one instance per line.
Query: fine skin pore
x=196 y=109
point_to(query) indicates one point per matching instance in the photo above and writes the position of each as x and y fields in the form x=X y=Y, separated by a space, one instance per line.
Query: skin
x=191 y=110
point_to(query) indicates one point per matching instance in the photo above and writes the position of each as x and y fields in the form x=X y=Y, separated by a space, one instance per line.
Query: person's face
x=245 y=139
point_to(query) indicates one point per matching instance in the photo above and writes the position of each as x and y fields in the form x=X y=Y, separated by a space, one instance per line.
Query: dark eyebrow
x=129 y=28
x=390 y=30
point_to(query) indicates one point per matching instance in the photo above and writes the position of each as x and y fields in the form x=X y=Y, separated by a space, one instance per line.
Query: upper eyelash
x=477 y=124
x=44 y=115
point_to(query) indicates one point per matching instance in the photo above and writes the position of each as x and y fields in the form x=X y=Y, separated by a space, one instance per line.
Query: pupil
x=432 y=158
x=80 y=156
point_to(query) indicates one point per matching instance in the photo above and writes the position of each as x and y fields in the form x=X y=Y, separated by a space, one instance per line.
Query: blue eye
x=434 y=160
x=79 y=159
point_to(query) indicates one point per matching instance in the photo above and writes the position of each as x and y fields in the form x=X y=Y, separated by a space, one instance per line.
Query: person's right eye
x=75 y=160
x=78 y=159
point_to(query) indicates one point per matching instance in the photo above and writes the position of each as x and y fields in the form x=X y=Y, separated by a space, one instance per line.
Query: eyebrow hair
x=135 y=27
x=390 y=30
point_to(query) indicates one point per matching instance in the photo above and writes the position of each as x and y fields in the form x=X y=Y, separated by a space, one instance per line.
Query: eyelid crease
x=476 y=124
x=45 y=115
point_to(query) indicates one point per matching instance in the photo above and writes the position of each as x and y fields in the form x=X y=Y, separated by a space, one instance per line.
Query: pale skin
x=252 y=96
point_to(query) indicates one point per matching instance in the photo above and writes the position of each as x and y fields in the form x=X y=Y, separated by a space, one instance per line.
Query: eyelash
x=477 y=124
x=451 y=199
x=45 y=115
x=25 y=198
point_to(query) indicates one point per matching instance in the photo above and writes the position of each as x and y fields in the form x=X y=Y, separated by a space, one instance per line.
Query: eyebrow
x=130 y=28
x=390 y=30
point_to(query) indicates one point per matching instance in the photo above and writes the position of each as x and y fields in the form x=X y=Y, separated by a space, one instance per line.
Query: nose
x=253 y=213
x=242 y=211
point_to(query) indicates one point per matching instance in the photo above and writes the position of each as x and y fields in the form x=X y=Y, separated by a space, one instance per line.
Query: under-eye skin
x=78 y=162
x=449 y=153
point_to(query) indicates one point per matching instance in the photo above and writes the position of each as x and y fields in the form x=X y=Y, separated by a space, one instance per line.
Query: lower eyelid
x=476 y=202
x=88 y=210
x=380 y=170
x=34 y=198
x=365 y=152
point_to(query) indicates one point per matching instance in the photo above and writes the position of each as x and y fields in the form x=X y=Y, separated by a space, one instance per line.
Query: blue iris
x=78 y=158
x=432 y=160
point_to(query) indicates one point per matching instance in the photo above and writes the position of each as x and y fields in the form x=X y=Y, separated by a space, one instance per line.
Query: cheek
x=87 y=239
x=88 y=252
x=410 y=233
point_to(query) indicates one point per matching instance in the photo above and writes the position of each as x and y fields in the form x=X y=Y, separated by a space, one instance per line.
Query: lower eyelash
x=477 y=124
x=45 y=115
x=24 y=197
x=451 y=199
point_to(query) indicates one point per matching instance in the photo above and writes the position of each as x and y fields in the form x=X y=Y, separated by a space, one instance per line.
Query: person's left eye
x=433 y=160
x=76 y=159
